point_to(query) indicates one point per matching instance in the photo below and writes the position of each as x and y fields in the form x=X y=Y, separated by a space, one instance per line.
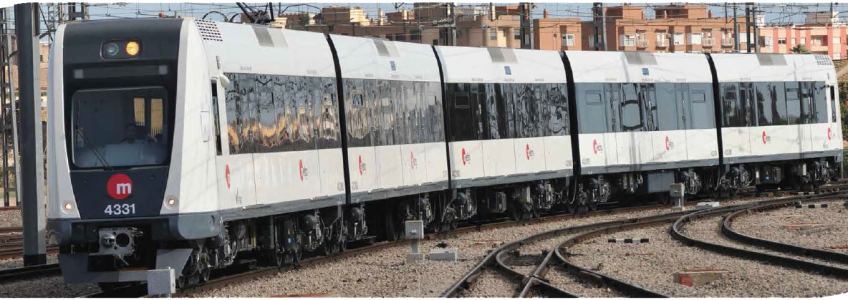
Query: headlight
x=132 y=48
x=111 y=49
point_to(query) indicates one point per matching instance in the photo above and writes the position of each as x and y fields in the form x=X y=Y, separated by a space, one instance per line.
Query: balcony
x=662 y=42
x=727 y=42
x=708 y=42
x=641 y=43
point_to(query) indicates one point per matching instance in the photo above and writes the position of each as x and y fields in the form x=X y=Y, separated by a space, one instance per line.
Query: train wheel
x=572 y=207
x=205 y=270
x=392 y=231
x=593 y=205
x=514 y=211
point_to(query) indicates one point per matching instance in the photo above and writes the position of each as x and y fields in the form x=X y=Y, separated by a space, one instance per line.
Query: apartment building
x=676 y=28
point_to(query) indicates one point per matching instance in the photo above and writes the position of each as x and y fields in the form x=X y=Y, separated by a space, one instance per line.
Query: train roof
x=740 y=67
x=599 y=67
x=371 y=58
x=252 y=49
x=500 y=65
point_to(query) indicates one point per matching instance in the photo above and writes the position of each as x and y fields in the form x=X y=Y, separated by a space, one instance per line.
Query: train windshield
x=120 y=127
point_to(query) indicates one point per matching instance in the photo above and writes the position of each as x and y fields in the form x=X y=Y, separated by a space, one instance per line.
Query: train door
x=612 y=96
x=807 y=116
x=833 y=132
x=748 y=111
x=684 y=110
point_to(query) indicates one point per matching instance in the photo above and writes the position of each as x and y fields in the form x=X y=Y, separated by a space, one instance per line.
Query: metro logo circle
x=119 y=186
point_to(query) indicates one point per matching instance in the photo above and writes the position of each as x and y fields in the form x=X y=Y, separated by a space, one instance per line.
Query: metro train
x=197 y=145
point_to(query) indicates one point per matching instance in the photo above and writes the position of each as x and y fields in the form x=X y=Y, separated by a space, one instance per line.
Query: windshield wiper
x=93 y=149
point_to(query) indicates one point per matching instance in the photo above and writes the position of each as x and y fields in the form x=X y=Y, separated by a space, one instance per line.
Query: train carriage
x=509 y=126
x=779 y=119
x=644 y=123
x=394 y=120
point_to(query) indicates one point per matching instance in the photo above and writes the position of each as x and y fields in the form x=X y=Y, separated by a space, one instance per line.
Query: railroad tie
x=821 y=205
x=629 y=241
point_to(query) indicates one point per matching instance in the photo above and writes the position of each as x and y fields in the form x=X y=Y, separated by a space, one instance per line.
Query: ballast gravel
x=10 y=218
x=653 y=264
x=820 y=228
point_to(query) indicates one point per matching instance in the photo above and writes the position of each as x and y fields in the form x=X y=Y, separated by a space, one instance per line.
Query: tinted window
x=667 y=110
x=612 y=95
x=631 y=108
x=820 y=101
x=731 y=111
x=778 y=98
x=702 y=110
x=119 y=127
x=765 y=105
x=592 y=114
x=556 y=114
x=793 y=103
x=808 y=113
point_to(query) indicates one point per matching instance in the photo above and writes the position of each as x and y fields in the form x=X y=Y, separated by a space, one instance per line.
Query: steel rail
x=799 y=264
x=15 y=274
x=727 y=229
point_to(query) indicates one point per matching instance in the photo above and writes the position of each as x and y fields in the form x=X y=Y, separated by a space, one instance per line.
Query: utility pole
x=77 y=14
x=599 y=26
x=735 y=30
x=8 y=115
x=452 y=29
x=525 y=9
x=748 y=26
x=755 y=28
x=32 y=157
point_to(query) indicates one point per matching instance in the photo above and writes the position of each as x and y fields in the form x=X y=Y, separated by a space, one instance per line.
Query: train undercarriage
x=285 y=239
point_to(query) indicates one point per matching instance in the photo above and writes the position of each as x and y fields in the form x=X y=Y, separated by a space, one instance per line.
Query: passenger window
x=666 y=107
x=730 y=107
x=793 y=104
x=631 y=108
x=592 y=115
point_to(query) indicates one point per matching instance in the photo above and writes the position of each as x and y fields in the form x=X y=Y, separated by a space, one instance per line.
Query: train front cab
x=125 y=105
x=780 y=120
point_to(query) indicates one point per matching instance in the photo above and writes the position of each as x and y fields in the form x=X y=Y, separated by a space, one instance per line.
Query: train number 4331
x=120 y=209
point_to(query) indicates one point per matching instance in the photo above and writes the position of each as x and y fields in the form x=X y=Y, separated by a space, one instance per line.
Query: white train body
x=482 y=157
x=776 y=109
x=192 y=144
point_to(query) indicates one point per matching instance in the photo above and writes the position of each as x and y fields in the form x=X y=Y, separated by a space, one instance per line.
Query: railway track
x=229 y=277
x=536 y=284
x=14 y=274
x=791 y=262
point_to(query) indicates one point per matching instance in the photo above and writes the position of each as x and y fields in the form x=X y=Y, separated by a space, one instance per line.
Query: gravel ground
x=46 y=287
x=652 y=265
x=383 y=273
x=19 y=262
x=42 y=287
x=823 y=228
x=491 y=284
x=10 y=218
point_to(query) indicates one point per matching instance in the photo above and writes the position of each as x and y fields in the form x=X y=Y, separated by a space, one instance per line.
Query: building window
x=793 y=41
x=837 y=55
x=678 y=39
x=836 y=40
x=493 y=34
x=768 y=42
x=694 y=38
x=517 y=32
x=804 y=41
x=628 y=40
x=568 y=39
x=781 y=41
x=591 y=42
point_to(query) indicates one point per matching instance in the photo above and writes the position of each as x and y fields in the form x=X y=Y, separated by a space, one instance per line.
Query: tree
x=800 y=49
